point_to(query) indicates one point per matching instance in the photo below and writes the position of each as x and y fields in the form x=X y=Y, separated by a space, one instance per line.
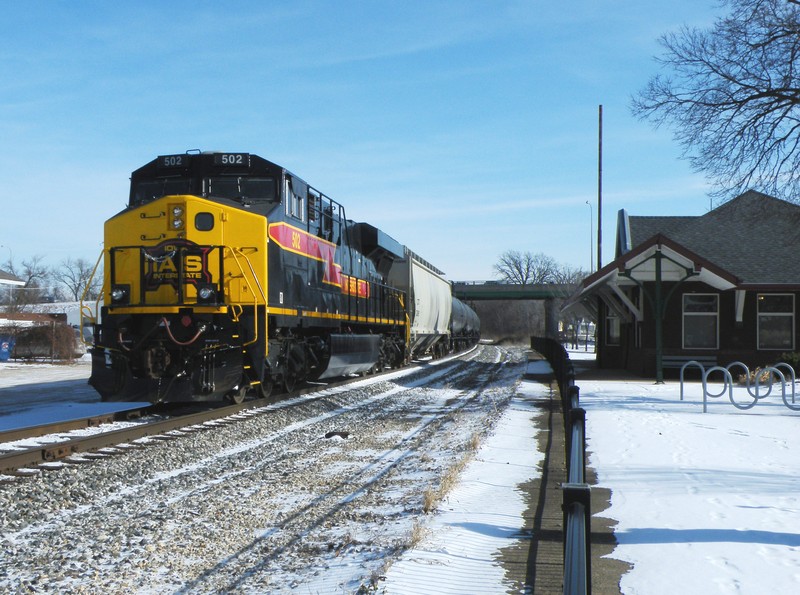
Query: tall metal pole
x=600 y=188
x=591 y=238
x=601 y=322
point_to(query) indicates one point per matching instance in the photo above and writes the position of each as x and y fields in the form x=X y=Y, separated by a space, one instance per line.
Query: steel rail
x=12 y=461
x=56 y=427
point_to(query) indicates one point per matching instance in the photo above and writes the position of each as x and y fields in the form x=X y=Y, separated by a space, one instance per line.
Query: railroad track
x=334 y=481
x=59 y=427
x=21 y=461
x=78 y=449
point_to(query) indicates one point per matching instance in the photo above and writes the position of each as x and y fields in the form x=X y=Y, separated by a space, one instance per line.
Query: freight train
x=227 y=275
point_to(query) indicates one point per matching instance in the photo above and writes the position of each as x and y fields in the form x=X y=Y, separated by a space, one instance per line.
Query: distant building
x=9 y=279
x=718 y=288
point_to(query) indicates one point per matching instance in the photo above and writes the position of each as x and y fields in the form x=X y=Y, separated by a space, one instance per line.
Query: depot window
x=612 y=332
x=775 y=321
x=700 y=321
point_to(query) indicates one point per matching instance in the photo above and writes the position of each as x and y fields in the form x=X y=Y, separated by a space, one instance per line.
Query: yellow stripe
x=332 y=316
x=270 y=310
x=167 y=309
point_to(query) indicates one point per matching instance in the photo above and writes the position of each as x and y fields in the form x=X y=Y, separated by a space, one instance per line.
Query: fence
x=576 y=493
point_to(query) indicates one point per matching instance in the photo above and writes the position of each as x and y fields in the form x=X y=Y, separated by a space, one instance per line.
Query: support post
x=550 y=319
x=659 y=320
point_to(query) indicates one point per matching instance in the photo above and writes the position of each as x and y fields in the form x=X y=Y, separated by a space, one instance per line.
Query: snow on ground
x=26 y=393
x=483 y=513
x=706 y=502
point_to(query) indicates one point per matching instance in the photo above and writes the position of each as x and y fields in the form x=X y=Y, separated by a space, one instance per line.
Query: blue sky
x=460 y=128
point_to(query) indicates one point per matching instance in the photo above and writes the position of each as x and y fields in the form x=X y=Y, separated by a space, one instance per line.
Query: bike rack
x=753 y=390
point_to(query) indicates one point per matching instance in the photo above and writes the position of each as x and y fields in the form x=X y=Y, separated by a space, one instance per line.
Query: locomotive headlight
x=206 y=294
x=120 y=294
x=177 y=219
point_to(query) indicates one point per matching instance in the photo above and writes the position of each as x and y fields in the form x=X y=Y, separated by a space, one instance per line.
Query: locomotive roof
x=221 y=163
x=167 y=171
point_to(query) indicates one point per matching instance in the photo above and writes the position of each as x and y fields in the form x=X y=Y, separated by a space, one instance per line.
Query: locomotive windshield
x=245 y=190
x=239 y=188
x=240 y=177
x=144 y=192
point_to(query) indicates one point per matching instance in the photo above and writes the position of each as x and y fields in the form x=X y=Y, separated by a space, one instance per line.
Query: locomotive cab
x=186 y=278
x=177 y=268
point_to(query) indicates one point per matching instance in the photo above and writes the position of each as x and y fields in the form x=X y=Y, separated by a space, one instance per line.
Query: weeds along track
x=255 y=504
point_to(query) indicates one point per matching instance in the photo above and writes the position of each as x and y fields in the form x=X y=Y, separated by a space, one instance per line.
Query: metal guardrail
x=576 y=493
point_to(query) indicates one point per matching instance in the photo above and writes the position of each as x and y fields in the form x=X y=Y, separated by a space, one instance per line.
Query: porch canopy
x=654 y=261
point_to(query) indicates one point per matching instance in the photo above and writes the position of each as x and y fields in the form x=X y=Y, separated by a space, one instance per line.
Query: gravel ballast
x=325 y=492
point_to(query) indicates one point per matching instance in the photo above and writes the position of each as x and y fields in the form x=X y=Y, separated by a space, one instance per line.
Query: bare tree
x=525 y=268
x=35 y=275
x=569 y=275
x=74 y=275
x=732 y=96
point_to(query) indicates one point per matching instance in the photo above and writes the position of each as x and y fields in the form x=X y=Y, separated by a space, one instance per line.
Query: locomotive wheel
x=294 y=367
x=265 y=389
x=289 y=382
x=237 y=395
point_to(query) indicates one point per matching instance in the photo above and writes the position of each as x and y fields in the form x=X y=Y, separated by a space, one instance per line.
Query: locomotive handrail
x=252 y=271
x=408 y=319
x=234 y=254
x=85 y=311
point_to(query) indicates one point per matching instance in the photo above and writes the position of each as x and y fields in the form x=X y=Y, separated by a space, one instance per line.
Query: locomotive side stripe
x=332 y=316
x=298 y=241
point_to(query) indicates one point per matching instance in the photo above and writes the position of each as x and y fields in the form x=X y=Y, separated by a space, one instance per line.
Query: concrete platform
x=541 y=564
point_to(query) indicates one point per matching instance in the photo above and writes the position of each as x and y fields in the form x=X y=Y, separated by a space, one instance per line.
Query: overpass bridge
x=495 y=290
x=551 y=293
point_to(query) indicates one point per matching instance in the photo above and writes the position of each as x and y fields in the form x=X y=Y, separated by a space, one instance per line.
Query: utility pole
x=600 y=188
x=600 y=323
x=591 y=238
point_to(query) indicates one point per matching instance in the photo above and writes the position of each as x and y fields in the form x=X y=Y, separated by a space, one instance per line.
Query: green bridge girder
x=493 y=290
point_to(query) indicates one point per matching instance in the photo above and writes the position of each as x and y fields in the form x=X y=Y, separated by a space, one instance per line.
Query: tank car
x=228 y=274
x=465 y=326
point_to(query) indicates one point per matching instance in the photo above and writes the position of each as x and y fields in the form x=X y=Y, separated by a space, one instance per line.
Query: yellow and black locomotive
x=227 y=274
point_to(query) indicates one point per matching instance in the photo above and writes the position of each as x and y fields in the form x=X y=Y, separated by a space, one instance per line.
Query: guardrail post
x=576 y=459
x=573 y=396
x=577 y=538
